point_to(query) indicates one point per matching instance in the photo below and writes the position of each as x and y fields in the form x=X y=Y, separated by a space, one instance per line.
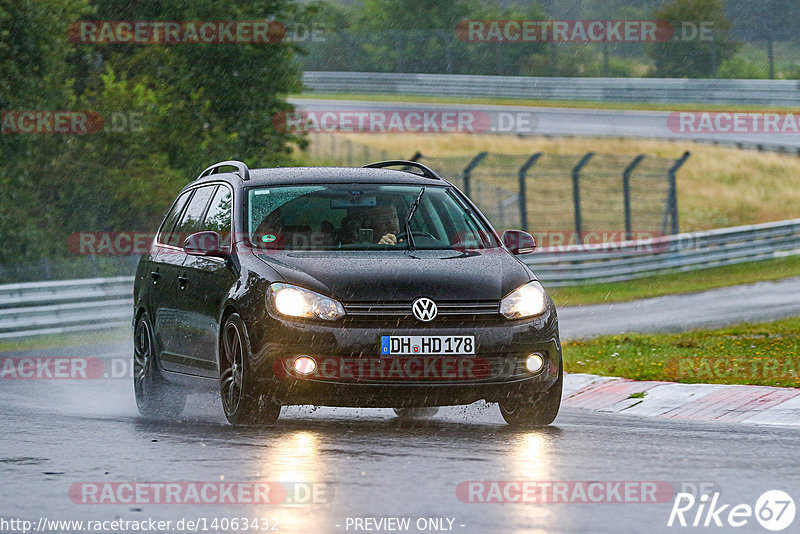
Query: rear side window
x=164 y=238
x=218 y=218
x=193 y=214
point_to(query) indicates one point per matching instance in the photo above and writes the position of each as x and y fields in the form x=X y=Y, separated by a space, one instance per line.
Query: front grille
x=459 y=311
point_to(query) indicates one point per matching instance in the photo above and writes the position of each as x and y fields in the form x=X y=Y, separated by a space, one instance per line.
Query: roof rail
x=426 y=171
x=241 y=169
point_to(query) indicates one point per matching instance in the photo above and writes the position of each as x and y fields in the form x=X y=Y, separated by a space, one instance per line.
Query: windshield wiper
x=411 y=210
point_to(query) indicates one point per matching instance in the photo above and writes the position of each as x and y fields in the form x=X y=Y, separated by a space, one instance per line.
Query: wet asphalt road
x=759 y=302
x=58 y=433
x=530 y=120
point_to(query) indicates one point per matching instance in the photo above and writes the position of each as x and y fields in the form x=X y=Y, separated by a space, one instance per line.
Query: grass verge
x=761 y=354
x=675 y=283
x=76 y=339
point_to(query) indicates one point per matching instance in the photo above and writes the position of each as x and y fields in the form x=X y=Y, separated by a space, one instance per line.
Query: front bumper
x=352 y=373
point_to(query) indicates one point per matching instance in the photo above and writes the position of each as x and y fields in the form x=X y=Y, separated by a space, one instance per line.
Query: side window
x=171 y=218
x=192 y=215
x=218 y=217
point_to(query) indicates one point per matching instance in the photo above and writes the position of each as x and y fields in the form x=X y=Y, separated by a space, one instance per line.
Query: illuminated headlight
x=525 y=301
x=295 y=301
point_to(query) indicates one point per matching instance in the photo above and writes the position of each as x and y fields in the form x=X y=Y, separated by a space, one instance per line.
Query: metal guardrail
x=57 y=307
x=654 y=90
x=614 y=262
x=36 y=308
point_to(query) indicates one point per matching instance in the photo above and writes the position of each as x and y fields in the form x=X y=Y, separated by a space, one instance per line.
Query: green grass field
x=763 y=354
x=66 y=340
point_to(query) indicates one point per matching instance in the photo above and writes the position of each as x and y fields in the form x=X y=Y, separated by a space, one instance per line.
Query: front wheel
x=242 y=399
x=539 y=412
x=154 y=397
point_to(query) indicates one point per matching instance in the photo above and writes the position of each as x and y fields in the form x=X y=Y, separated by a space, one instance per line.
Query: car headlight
x=295 y=301
x=525 y=301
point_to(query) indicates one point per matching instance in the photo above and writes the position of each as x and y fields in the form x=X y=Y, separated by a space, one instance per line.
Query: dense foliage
x=168 y=110
x=747 y=39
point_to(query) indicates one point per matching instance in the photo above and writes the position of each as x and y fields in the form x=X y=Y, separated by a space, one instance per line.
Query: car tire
x=154 y=396
x=243 y=401
x=539 y=412
x=416 y=413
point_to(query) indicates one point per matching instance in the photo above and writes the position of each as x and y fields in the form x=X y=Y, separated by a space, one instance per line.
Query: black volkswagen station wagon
x=382 y=286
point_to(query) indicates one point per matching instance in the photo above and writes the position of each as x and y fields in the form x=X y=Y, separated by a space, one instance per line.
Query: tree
x=35 y=76
x=767 y=22
x=192 y=105
x=698 y=55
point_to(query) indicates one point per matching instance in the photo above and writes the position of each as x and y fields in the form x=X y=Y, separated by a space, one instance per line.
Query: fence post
x=626 y=192
x=576 y=195
x=468 y=170
x=501 y=219
x=44 y=269
x=349 y=152
x=416 y=157
x=523 y=195
x=673 y=191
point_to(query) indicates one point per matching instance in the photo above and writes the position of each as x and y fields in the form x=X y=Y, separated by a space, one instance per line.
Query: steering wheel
x=402 y=235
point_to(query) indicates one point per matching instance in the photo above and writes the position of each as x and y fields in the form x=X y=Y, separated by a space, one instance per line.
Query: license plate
x=422 y=345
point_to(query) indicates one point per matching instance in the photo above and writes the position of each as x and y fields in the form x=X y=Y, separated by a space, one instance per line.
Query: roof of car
x=304 y=175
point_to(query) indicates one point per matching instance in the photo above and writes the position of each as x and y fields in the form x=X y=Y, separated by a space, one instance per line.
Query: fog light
x=534 y=363
x=304 y=365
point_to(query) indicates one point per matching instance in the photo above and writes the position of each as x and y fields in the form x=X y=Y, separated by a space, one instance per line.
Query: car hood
x=371 y=276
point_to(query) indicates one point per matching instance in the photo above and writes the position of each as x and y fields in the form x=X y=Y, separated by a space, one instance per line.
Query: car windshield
x=362 y=216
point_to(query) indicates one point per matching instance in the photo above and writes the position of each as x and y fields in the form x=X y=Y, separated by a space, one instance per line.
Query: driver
x=384 y=222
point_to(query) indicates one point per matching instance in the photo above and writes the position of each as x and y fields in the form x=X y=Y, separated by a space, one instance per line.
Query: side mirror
x=204 y=244
x=519 y=242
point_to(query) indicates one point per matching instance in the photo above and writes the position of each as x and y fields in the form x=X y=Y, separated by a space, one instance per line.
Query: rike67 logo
x=774 y=510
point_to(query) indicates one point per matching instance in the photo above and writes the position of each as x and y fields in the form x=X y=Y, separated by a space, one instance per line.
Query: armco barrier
x=56 y=307
x=655 y=90
x=575 y=265
x=35 y=308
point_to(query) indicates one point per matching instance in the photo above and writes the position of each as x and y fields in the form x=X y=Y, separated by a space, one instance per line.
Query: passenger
x=348 y=233
x=328 y=233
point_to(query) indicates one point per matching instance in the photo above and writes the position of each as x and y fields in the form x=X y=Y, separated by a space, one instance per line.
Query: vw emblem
x=424 y=309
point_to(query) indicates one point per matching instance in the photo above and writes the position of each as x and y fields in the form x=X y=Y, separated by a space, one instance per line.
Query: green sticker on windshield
x=268 y=238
